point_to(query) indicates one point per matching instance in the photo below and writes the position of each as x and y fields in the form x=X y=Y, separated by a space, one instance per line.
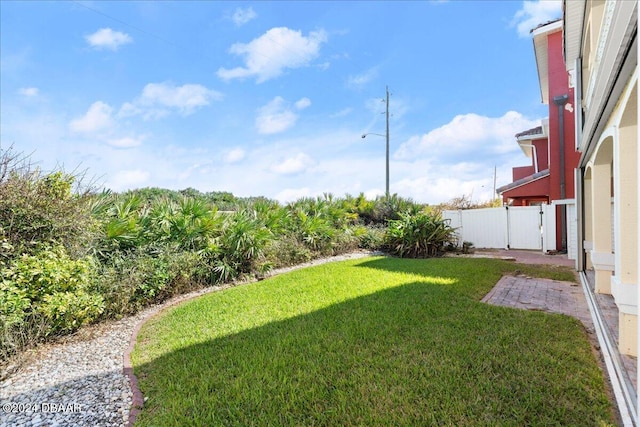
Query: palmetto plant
x=194 y=224
x=129 y=221
x=121 y=222
x=273 y=216
x=241 y=245
x=361 y=207
x=418 y=236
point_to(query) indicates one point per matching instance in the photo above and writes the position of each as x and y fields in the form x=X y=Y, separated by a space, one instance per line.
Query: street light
x=364 y=135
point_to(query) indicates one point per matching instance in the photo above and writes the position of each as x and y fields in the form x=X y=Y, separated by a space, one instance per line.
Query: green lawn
x=375 y=341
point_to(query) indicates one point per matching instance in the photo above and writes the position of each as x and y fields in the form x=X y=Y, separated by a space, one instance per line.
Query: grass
x=380 y=341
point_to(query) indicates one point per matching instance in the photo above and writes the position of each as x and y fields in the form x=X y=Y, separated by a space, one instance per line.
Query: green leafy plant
x=14 y=303
x=418 y=236
x=40 y=208
x=241 y=245
x=49 y=291
x=373 y=238
x=68 y=311
x=50 y=270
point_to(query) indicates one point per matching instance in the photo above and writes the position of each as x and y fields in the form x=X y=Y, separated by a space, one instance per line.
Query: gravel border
x=87 y=379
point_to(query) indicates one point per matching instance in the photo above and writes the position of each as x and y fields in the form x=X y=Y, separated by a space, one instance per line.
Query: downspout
x=560 y=101
x=581 y=262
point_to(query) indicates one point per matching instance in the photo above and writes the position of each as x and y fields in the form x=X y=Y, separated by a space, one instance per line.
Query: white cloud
x=125 y=142
x=342 y=113
x=106 y=38
x=28 y=91
x=194 y=172
x=303 y=103
x=293 y=165
x=357 y=81
x=159 y=99
x=128 y=179
x=235 y=155
x=333 y=160
x=275 y=117
x=242 y=16
x=468 y=135
x=98 y=117
x=534 y=13
x=293 y=194
x=459 y=157
x=440 y=189
x=267 y=56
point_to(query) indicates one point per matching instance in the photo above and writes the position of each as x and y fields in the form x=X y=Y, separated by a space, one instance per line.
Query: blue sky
x=271 y=98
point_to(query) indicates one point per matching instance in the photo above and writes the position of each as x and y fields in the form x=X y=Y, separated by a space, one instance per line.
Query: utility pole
x=494 y=195
x=387 y=137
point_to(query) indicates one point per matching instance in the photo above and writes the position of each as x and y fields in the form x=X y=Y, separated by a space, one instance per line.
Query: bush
x=30 y=283
x=347 y=239
x=40 y=208
x=68 y=311
x=14 y=303
x=286 y=251
x=373 y=239
x=16 y=337
x=418 y=236
x=42 y=294
x=49 y=270
x=129 y=281
x=241 y=247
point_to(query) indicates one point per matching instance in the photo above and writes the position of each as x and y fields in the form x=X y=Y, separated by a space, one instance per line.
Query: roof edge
x=548 y=27
x=523 y=181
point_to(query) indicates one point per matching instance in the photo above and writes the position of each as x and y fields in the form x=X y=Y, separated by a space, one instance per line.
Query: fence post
x=508 y=228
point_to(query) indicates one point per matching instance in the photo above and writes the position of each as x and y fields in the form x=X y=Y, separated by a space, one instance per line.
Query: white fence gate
x=508 y=227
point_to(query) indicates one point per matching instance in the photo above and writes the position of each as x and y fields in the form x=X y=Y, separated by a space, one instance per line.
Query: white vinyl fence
x=508 y=227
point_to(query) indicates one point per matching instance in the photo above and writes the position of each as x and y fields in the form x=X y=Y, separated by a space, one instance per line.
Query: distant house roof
x=523 y=181
x=546 y=23
x=533 y=131
x=526 y=137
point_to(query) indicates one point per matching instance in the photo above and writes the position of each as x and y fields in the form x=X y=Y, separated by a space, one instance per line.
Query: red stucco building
x=551 y=146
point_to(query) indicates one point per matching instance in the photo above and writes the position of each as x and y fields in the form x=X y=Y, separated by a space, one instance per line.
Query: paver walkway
x=541 y=294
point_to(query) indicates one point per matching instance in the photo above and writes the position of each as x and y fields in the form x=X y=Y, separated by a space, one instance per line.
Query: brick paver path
x=541 y=294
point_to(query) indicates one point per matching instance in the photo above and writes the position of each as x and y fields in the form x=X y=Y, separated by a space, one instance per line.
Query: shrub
x=465 y=202
x=131 y=280
x=42 y=294
x=346 y=239
x=68 y=258
x=14 y=303
x=418 y=236
x=240 y=248
x=68 y=311
x=30 y=282
x=391 y=208
x=373 y=238
x=48 y=271
x=16 y=337
x=40 y=208
x=286 y=251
